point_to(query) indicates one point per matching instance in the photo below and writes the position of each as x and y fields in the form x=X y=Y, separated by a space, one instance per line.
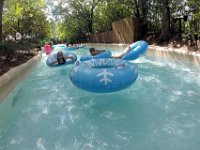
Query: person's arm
x=120 y=56
x=127 y=51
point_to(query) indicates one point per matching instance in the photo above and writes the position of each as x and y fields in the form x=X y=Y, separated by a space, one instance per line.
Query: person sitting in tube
x=95 y=52
x=61 y=59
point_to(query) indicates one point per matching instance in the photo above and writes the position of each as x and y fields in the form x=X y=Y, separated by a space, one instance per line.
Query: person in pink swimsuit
x=47 y=48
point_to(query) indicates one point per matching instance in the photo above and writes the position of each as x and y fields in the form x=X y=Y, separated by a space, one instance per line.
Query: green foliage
x=8 y=50
x=42 y=42
x=74 y=20
x=27 y=18
x=72 y=30
x=84 y=17
x=106 y=13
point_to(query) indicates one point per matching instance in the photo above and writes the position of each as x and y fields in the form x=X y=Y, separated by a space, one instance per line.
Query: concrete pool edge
x=159 y=51
x=180 y=53
x=10 y=79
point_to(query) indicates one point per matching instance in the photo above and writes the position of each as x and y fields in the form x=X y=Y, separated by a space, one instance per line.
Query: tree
x=27 y=18
x=81 y=17
x=108 y=12
x=140 y=11
x=1 y=16
x=165 y=32
x=85 y=11
x=76 y=20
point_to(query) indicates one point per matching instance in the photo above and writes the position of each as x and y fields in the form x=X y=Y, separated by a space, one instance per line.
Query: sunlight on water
x=159 y=111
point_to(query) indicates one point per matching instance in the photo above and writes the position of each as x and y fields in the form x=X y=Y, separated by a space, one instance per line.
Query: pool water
x=161 y=110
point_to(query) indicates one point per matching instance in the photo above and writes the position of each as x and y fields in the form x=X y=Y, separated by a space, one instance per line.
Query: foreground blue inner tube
x=106 y=54
x=137 y=49
x=103 y=75
x=53 y=57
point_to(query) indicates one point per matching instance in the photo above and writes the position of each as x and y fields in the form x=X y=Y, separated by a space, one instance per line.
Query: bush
x=26 y=45
x=42 y=42
x=190 y=39
x=8 y=49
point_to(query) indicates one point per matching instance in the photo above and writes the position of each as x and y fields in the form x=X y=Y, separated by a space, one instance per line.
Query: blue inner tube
x=53 y=57
x=58 y=45
x=70 y=48
x=80 y=46
x=103 y=75
x=106 y=54
x=137 y=49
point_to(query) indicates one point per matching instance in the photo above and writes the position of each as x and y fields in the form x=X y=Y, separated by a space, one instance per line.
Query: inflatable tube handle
x=119 y=66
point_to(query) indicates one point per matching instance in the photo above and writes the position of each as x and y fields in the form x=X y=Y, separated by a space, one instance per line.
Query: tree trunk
x=165 y=32
x=136 y=9
x=144 y=17
x=90 y=21
x=1 y=15
x=90 y=18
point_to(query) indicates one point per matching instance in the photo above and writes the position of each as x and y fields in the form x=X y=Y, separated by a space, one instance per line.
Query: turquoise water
x=161 y=110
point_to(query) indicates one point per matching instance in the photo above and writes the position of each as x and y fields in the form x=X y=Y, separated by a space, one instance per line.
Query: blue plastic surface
x=103 y=75
x=137 y=49
x=70 y=48
x=106 y=54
